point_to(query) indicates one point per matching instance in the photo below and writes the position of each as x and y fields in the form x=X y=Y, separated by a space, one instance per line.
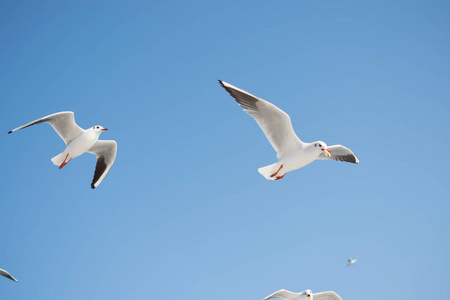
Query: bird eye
x=320 y=145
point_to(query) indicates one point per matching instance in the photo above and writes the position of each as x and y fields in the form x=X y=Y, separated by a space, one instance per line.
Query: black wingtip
x=10 y=132
x=92 y=186
x=221 y=82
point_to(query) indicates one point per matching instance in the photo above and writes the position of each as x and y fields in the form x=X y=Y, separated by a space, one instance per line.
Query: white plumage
x=305 y=295
x=292 y=153
x=351 y=261
x=79 y=141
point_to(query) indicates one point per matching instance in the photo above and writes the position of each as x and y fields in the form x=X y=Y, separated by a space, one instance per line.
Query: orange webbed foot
x=279 y=177
x=65 y=162
x=275 y=174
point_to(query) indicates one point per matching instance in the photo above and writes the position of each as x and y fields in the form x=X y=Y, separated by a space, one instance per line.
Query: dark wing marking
x=27 y=125
x=340 y=153
x=4 y=273
x=100 y=167
x=106 y=154
x=275 y=123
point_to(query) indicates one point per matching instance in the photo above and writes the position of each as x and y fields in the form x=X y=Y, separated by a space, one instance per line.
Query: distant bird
x=305 y=295
x=292 y=153
x=351 y=261
x=79 y=141
x=7 y=275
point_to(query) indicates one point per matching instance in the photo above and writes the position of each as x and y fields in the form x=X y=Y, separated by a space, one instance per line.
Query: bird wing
x=283 y=294
x=275 y=123
x=106 y=154
x=340 y=153
x=7 y=275
x=63 y=123
x=326 y=296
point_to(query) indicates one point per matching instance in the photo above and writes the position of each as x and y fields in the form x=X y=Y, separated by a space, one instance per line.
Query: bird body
x=79 y=141
x=292 y=153
x=351 y=261
x=79 y=145
x=303 y=155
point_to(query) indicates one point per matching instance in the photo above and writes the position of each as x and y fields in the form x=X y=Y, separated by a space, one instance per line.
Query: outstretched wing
x=326 y=296
x=106 y=154
x=283 y=294
x=63 y=123
x=7 y=275
x=275 y=123
x=340 y=153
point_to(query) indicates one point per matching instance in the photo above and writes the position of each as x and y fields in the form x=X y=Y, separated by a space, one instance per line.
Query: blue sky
x=183 y=213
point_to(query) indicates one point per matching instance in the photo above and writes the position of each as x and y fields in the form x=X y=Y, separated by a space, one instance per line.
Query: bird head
x=98 y=129
x=322 y=147
x=307 y=294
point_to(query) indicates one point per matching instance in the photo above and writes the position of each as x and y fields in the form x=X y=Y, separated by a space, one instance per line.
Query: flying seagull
x=79 y=141
x=305 y=295
x=7 y=275
x=351 y=261
x=292 y=153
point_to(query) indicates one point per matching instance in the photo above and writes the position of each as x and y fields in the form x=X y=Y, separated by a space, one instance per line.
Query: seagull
x=7 y=275
x=292 y=153
x=79 y=141
x=305 y=295
x=351 y=261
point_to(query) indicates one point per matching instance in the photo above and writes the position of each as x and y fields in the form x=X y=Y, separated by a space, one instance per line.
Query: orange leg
x=275 y=174
x=65 y=162
x=279 y=177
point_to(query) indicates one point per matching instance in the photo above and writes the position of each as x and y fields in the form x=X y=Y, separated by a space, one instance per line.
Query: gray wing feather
x=106 y=154
x=282 y=294
x=275 y=123
x=7 y=275
x=340 y=153
x=326 y=296
x=63 y=123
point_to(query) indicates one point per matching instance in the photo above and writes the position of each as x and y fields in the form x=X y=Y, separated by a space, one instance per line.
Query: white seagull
x=79 y=141
x=292 y=153
x=351 y=261
x=305 y=295
x=7 y=275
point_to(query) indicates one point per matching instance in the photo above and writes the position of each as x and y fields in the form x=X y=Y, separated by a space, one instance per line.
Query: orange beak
x=104 y=129
x=309 y=296
x=327 y=152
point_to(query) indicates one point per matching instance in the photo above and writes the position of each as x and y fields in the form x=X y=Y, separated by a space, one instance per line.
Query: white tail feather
x=59 y=159
x=269 y=170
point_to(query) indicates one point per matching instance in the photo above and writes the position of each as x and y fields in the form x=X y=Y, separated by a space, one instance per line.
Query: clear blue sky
x=184 y=214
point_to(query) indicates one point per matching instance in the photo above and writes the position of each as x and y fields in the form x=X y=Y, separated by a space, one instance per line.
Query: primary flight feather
x=6 y=274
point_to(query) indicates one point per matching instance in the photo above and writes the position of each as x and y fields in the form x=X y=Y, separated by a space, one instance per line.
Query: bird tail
x=269 y=170
x=59 y=159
